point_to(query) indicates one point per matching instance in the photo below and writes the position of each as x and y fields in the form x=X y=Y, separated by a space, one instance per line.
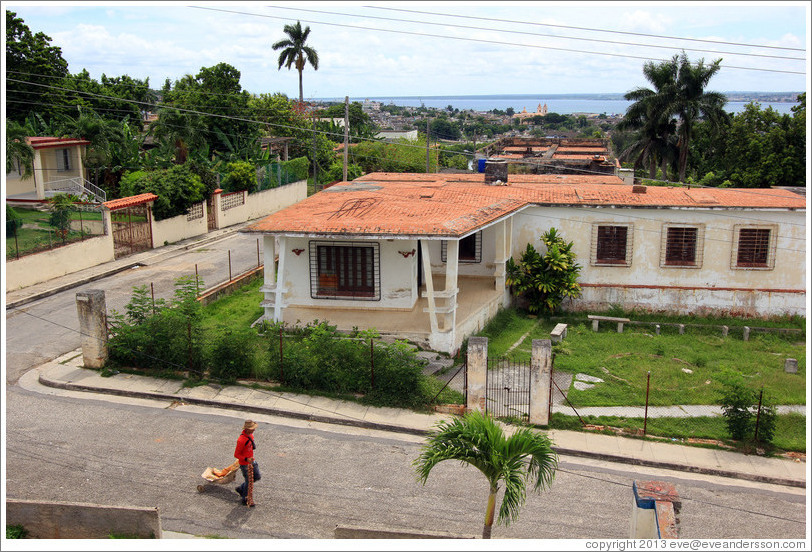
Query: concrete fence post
x=477 y=373
x=746 y=333
x=92 y=311
x=791 y=366
x=725 y=330
x=541 y=364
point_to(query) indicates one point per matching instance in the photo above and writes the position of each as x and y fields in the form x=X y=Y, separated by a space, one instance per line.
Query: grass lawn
x=685 y=369
x=36 y=234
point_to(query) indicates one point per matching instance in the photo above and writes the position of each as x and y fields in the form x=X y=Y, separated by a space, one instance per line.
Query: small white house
x=57 y=168
x=422 y=256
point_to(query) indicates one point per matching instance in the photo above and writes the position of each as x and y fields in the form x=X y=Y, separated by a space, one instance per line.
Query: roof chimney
x=638 y=189
x=496 y=173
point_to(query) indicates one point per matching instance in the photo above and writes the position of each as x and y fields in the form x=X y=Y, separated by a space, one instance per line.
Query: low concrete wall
x=74 y=520
x=241 y=280
x=692 y=300
x=41 y=267
x=178 y=228
x=264 y=203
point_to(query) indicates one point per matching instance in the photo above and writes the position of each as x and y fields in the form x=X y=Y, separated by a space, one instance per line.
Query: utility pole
x=428 y=145
x=315 y=164
x=346 y=133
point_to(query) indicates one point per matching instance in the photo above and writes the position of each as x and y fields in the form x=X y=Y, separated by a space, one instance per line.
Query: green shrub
x=240 y=176
x=13 y=221
x=299 y=167
x=177 y=188
x=16 y=532
x=231 y=356
x=736 y=401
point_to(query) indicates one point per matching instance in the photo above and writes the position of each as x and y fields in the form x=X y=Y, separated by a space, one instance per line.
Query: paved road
x=147 y=453
x=40 y=331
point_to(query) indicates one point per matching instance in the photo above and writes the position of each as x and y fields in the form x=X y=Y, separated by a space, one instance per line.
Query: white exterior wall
x=398 y=276
x=263 y=203
x=178 y=228
x=41 y=267
x=646 y=284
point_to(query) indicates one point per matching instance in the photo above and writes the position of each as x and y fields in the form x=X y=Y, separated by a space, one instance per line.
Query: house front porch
x=476 y=303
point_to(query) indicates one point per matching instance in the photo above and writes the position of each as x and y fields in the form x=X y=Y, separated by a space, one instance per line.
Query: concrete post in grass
x=791 y=366
x=541 y=365
x=746 y=333
x=92 y=311
x=477 y=373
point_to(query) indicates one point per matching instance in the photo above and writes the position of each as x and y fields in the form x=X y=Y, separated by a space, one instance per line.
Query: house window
x=470 y=249
x=682 y=246
x=344 y=270
x=754 y=247
x=612 y=244
x=63 y=160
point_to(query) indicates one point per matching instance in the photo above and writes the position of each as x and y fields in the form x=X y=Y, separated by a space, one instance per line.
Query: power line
x=327 y=133
x=503 y=43
x=591 y=29
x=537 y=34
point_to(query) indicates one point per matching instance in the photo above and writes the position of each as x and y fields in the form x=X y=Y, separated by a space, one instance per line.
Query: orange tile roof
x=124 y=202
x=438 y=205
x=42 y=142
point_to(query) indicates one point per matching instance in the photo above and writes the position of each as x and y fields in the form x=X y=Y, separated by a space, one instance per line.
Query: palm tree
x=19 y=152
x=692 y=101
x=675 y=105
x=477 y=440
x=296 y=52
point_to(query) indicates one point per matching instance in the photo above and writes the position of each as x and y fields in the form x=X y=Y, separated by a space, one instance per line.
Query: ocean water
x=559 y=104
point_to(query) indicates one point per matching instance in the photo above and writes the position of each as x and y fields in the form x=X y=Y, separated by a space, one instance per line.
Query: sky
x=373 y=48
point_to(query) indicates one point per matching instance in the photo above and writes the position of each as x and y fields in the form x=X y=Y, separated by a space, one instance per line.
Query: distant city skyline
x=393 y=49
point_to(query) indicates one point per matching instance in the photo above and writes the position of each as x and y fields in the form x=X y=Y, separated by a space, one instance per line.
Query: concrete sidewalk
x=66 y=372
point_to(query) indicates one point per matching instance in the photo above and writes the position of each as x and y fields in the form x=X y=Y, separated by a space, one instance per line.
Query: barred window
x=754 y=247
x=344 y=271
x=611 y=245
x=680 y=246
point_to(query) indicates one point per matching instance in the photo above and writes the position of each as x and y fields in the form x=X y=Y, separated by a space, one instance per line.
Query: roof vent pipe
x=496 y=173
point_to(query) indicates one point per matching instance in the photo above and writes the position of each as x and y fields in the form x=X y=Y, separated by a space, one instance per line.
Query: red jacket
x=245 y=448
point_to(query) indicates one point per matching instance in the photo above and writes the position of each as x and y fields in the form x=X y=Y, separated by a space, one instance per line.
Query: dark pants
x=242 y=489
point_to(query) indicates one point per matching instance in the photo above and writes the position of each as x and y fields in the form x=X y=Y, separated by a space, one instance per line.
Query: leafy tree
x=33 y=68
x=736 y=401
x=545 y=280
x=200 y=110
x=119 y=98
x=177 y=188
x=240 y=175
x=476 y=440
x=443 y=129
x=296 y=52
x=757 y=148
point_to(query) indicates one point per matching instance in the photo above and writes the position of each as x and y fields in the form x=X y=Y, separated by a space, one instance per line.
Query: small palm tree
x=296 y=52
x=19 y=152
x=477 y=440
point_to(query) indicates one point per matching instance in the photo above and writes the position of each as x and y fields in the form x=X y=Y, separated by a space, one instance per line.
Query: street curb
x=230 y=406
x=76 y=283
x=412 y=431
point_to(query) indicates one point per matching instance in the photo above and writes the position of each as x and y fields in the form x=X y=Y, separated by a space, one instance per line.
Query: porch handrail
x=78 y=186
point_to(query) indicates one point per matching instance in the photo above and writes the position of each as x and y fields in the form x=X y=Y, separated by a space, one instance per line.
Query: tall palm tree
x=675 y=105
x=296 y=52
x=691 y=102
x=477 y=440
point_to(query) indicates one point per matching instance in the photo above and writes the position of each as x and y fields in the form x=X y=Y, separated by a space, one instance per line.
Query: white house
x=57 y=168
x=422 y=256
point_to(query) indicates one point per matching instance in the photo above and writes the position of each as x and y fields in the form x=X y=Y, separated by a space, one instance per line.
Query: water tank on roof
x=481 y=165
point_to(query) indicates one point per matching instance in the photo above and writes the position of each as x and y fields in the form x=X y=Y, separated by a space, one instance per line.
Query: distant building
x=540 y=111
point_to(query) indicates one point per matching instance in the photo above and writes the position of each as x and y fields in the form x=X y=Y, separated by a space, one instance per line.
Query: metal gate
x=508 y=389
x=132 y=230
